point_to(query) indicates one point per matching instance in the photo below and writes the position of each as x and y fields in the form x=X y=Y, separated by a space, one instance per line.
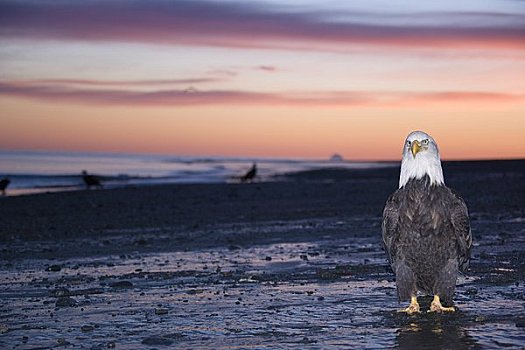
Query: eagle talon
x=436 y=306
x=413 y=308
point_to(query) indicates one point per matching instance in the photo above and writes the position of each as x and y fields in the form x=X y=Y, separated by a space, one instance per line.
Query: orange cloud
x=196 y=97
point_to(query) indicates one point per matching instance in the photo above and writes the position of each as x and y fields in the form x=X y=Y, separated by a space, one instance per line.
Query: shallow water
x=39 y=172
x=327 y=293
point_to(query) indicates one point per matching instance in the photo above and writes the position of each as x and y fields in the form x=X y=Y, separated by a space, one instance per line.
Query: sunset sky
x=263 y=78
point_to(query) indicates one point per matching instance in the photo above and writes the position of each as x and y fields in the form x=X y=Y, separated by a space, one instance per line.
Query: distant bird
x=190 y=90
x=250 y=175
x=3 y=185
x=426 y=229
x=91 y=180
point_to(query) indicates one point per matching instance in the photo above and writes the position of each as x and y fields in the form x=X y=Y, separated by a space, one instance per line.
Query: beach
x=296 y=263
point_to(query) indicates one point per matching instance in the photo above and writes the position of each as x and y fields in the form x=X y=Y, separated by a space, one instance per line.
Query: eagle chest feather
x=426 y=237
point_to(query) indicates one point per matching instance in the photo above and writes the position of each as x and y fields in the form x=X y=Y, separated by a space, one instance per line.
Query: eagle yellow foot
x=413 y=308
x=436 y=306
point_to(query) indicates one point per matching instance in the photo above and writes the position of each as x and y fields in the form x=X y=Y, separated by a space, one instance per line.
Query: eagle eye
x=408 y=143
x=425 y=142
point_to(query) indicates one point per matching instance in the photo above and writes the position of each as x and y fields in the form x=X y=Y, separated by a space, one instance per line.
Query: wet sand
x=295 y=263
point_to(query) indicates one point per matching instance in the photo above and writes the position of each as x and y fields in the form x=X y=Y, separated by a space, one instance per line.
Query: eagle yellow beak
x=416 y=147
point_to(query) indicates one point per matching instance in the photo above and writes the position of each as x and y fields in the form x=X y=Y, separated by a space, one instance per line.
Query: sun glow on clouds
x=272 y=78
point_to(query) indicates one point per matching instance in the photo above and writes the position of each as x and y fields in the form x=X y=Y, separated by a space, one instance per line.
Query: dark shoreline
x=315 y=194
x=292 y=264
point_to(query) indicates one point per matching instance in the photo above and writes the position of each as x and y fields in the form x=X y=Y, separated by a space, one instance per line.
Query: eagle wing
x=461 y=225
x=389 y=226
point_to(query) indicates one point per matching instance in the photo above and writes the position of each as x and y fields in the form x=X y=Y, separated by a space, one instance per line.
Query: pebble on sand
x=87 y=328
x=65 y=302
x=63 y=342
x=161 y=311
x=157 y=340
x=121 y=285
x=54 y=268
x=520 y=322
x=61 y=292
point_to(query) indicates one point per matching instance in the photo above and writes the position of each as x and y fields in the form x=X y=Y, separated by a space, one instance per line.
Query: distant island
x=336 y=157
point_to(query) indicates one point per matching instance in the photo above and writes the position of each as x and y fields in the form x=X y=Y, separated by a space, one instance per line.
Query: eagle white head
x=420 y=158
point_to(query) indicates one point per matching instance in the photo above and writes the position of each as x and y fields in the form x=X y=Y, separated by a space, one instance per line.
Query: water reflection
x=431 y=331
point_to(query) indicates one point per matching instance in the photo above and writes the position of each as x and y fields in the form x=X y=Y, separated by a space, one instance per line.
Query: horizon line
x=250 y=157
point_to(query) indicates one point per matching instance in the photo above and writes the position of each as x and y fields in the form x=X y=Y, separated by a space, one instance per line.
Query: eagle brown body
x=426 y=234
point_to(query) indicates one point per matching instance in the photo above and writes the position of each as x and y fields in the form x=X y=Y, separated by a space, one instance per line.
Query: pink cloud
x=90 y=82
x=267 y=68
x=197 y=97
x=244 y=24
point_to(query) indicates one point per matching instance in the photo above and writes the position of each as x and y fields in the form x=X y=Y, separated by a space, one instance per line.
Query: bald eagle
x=3 y=185
x=250 y=175
x=426 y=229
x=91 y=180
